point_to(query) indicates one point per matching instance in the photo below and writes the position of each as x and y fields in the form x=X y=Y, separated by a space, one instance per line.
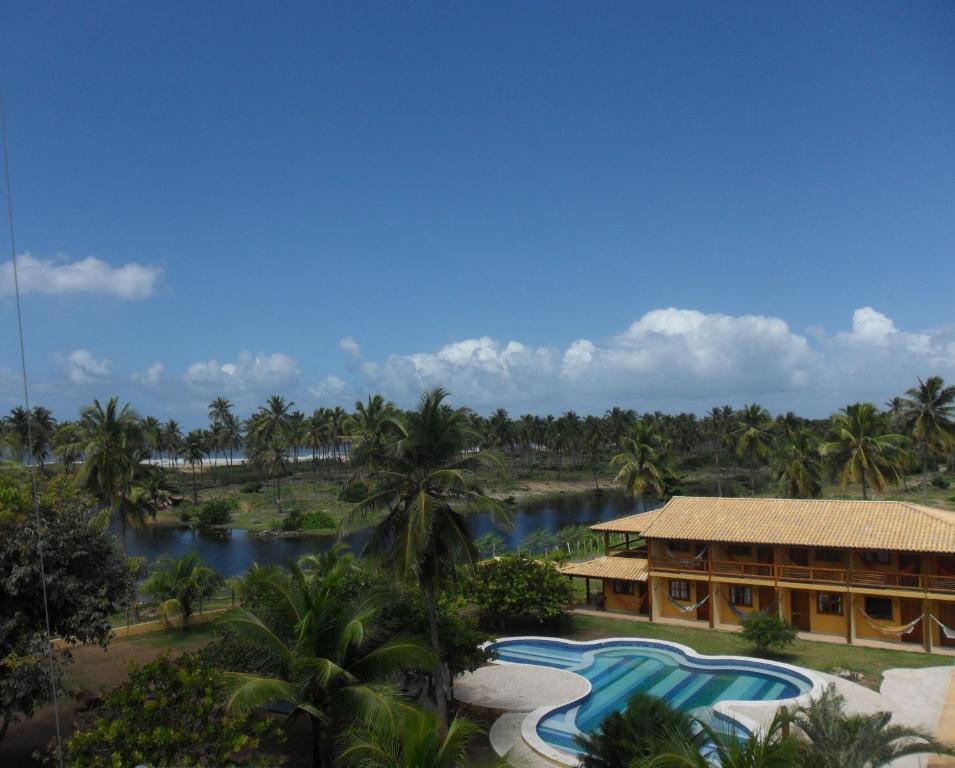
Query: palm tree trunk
x=924 y=475
x=318 y=753
x=440 y=675
x=195 y=492
x=719 y=477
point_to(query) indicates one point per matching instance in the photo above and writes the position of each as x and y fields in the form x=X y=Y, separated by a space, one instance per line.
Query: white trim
x=724 y=708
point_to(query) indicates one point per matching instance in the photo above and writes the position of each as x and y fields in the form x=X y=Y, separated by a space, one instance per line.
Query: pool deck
x=923 y=698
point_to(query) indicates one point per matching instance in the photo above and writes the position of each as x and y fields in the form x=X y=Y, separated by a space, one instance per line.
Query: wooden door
x=702 y=611
x=946 y=614
x=767 y=600
x=799 y=609
x=911 y=610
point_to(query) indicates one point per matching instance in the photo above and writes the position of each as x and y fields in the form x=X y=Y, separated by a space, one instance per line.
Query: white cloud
x=83 y=368
x=329 y=388
x=261 y=373
x=349 y=346
x=89 y=275
x=150 y=377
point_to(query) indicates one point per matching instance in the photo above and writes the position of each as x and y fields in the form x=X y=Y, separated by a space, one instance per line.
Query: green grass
x=825 y=657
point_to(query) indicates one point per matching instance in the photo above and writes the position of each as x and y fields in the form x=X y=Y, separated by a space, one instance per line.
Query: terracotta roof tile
x=619 y=568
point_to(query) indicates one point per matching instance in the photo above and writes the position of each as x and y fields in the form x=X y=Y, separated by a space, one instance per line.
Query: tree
x=113 y=440
x=85 y=573
x=840 y=740
x=415 y=738
x=172 y=440
x=862 y=451
x=169 y=712
x=178 y=583
x=490 y=544
x=220 y=410
x=765 y=630
x=68 y=444
x=771 y=747
x=319 y=649
x=798 y=464
x=624 y=737
x=754 y=439
x=718 y=427
x=928 y=417
x=370 y=429
x=643 y=465
x=195 y=451
x=426 y=491
x=515 y=587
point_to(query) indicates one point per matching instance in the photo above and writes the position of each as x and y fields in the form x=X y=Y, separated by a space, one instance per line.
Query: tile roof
x=619 y=568
x=843 y=524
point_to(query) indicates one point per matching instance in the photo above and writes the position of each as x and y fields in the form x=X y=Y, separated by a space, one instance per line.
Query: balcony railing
x=806 y=573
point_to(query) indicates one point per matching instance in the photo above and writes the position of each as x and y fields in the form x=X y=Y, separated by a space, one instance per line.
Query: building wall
x=670 y=611
x=624 y=603
x=828 y=623
x=722 y=595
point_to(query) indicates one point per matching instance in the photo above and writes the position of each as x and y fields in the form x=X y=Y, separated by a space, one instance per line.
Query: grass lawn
x=825 y=657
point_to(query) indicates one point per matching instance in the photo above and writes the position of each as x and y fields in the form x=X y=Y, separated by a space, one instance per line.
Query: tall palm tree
x=643 y=464
x=68 y=442
x=861 y=450
x=220 y=410
x=316 y=440
x=928 y=418
x=152 y=434
x=840 y=740
x=370 y=430
x=718 y=426
x=113 y=439
x=18 y=424
x=268 y=439
x=754 y=438
x=415 y=737
x=798 y=464
x=42 y=425
x=179 y=583
x=426 y=491
x=594 y=443
x=231 y=434
x=321 y=650
x=195 y=451
x=172 y=440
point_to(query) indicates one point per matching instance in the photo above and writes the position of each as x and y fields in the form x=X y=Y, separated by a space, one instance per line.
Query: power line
x=26 y=403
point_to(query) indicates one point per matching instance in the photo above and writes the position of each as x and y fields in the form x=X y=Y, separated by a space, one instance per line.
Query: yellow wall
x=727 y=614
x=615 y=602
x=827 y=623
x=864 y=629
x=667 y=609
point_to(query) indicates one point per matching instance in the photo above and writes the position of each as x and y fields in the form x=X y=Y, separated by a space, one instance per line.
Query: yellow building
x=876 y=570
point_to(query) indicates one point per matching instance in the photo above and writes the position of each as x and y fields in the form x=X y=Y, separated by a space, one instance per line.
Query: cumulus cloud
x=349 y=346
x=150 y=377
x=329 y=388
x=90 y=275
x=679 y=358
x=262 y=372
x=83 y=368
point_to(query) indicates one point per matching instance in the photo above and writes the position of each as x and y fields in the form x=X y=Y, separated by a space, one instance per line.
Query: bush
x=766 y=630
x=252 y=486
x=940 y=481
x=516 y=587
x=217 y=511
x=354 y=493
x=312 y=521
x=185 y=516
x=170 y=712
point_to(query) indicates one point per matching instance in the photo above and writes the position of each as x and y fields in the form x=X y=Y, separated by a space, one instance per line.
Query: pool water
x=618 y=669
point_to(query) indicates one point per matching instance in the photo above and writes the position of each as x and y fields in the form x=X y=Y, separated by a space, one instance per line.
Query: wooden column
x=587 y=583
x=927 y=626
x=626 y=539
x=850 y=618
x=650 y=597
x=709 y=586
x=606 y=543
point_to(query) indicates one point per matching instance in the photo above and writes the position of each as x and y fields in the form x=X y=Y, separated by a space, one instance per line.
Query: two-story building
x=858 y=570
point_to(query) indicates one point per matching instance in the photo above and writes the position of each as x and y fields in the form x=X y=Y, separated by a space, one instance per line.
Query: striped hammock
x=680 y=556
x=904 y=629
x=947 y=631
x=736 y=611
x=686 y=608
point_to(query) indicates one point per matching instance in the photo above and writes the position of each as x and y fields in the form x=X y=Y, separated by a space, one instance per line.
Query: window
x=741 y=595
x=829 y=603
x=678 y=546
x=623 y=587
x=740 y=550
x=829 y=555
x=879 y=558
x=680 y=590
x=879 y=608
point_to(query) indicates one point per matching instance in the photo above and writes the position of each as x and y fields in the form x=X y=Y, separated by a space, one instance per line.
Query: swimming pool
x=616 y=669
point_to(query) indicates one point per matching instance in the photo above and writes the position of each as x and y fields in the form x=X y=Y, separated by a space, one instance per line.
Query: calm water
x=232 y=552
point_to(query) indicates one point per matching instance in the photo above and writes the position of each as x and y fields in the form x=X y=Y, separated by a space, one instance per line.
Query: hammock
x=904 y=629
x=686 y=608
x=738 y=613
x=679 y=556
x=949 y=633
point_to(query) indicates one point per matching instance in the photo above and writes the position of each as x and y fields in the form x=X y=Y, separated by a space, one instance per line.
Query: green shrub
x=217 y=511
x=252 y=486
x=353 y=493
x=765 y=630
x=185 y=515
x=940 y=481
x=311 y=521
x=516 y=587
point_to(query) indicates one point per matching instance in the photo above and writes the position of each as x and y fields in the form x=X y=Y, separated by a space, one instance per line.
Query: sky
x=542 y=207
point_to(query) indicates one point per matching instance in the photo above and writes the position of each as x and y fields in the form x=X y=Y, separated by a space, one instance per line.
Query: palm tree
x=195 y=451
x=231 y=434
x=370 y=429
x=320 y=649
x=861 y=450
x=840 y=740
x=172 y=440
x=68 y=444
x=718 y=425
x=754 y=439
x=112 y=438
x=415 y=737
x=769 y=748
x=643 y=465
x=18 y=425
x=41 y=431
x=928 y=417
x=316 y=440
x=631 y=735
x=180 y=582
x=220 y=410
x=426 y=491
x=798 y=464
x=152 y=434
x=594 y=442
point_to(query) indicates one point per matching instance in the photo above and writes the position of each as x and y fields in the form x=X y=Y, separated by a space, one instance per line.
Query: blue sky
x=495 y=196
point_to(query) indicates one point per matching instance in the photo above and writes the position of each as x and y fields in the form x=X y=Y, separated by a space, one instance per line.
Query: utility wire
x=26 y=402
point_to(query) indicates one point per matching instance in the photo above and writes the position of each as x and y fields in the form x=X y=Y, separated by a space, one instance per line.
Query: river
x=233 y=551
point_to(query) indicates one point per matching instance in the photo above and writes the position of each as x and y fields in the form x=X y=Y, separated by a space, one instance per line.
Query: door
x=910 y=611
x=799 y=609
x=702 y=611
x=767 y=600
x=946 y=614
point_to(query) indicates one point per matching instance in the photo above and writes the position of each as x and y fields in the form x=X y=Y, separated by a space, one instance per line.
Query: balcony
x=842 y=577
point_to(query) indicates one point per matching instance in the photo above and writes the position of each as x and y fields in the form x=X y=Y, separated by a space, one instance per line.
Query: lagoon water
x=232 y=552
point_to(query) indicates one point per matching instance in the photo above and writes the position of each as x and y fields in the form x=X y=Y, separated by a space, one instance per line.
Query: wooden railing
x=806 y=573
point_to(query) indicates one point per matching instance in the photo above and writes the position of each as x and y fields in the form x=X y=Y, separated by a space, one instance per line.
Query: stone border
x=722 y=708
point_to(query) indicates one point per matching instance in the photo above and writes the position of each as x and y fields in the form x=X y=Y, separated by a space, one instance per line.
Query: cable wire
x=26 y=403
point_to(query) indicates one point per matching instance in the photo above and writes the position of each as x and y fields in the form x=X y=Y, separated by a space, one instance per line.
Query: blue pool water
x=618 y=669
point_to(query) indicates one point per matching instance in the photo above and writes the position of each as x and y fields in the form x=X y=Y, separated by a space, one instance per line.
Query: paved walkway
x=501 y=688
